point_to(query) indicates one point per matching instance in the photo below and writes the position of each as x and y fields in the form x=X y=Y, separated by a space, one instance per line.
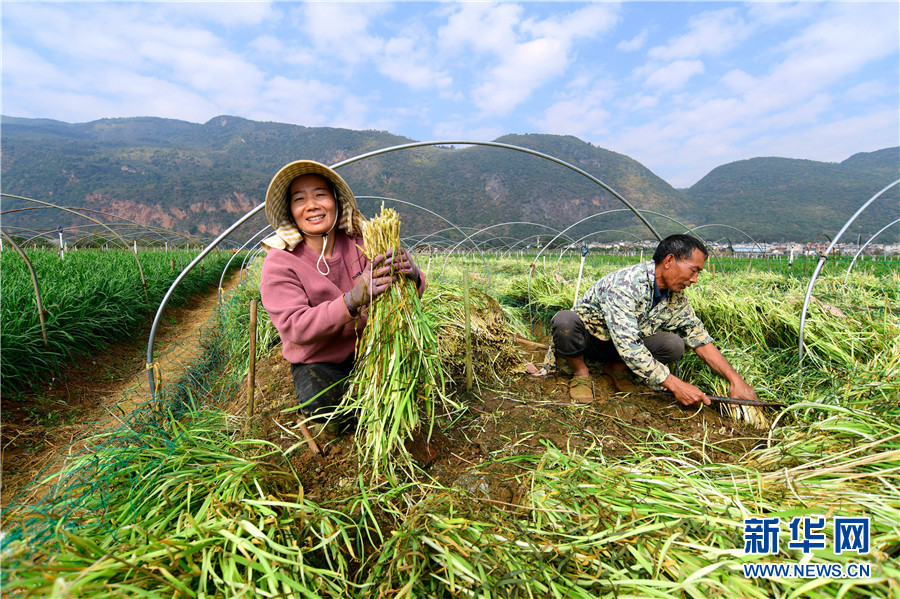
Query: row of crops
x=88 y=299
x=194 y=506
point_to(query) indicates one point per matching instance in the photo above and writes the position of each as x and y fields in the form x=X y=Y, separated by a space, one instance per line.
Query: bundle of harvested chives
x=397 y=372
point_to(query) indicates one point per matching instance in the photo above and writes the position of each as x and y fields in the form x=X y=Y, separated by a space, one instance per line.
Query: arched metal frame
x=747 y=235
x=73 y=211
x=126 y=221
x=716 y=256
x=251 y=255
x=34 y=282
x=505 y=240
x=810 y=246
x=587 y=218
x=435 y=233
x=821 y=263
x=537 y=237
x=488 y=228
x=212 y=245
x=435 y=214
x=864 y=246
x=583 y=237
x=451 y=250
x=227 y=264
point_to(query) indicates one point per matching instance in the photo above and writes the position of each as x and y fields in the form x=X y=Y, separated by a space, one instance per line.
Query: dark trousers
x=572 y=339
x=320 y=385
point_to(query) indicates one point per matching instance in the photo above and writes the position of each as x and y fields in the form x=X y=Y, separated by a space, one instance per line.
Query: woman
x=316 y=280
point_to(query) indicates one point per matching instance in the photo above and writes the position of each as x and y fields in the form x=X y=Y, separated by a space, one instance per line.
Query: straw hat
x=287 y=235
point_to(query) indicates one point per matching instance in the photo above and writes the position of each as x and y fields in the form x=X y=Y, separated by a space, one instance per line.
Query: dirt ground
x=95 y=393
x=523 y=416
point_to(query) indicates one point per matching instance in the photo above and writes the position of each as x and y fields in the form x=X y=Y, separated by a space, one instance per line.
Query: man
x=639 y=318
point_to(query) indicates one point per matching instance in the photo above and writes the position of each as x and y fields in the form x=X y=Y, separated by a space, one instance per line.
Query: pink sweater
x=307 y=307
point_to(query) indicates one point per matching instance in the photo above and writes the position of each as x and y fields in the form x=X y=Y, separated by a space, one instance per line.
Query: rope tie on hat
x=324 y=237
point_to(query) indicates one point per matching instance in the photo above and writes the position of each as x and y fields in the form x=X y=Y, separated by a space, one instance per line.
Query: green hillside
x=781 y=198
x=200 y=178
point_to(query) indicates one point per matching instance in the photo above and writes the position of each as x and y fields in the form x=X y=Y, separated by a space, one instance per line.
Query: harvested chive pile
x=495 y=354
x=397 y=374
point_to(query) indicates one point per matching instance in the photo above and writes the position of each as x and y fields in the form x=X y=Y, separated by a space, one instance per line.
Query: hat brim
x=278 y=209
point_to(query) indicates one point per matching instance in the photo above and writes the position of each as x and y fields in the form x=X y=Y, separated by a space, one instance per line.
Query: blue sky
x=681 y=87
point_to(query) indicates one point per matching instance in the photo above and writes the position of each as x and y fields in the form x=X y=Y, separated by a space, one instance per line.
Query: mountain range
x=200 y=178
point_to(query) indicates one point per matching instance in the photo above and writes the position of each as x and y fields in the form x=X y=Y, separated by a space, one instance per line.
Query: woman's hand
x=375 y=280
x=402 y=264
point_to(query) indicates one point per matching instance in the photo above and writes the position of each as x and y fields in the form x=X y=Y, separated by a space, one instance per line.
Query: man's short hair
x=680 y=246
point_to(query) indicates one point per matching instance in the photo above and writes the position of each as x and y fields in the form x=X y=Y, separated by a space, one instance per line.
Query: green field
x=198 y=504
x=89 y=298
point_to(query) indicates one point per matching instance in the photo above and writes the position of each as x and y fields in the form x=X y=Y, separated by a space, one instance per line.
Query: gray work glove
x=375 y=280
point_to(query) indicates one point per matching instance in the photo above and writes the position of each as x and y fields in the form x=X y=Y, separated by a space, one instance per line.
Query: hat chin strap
x=324 y=237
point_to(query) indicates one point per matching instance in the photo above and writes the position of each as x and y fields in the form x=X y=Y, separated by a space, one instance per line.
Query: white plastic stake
x=580 y=272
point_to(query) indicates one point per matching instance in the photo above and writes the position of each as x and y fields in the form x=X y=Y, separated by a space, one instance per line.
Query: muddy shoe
x=581 y=389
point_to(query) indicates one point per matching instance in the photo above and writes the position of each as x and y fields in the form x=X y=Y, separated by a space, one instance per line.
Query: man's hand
x=685 y=393
x=375 y=280
x=741 y=390
x=715 y=360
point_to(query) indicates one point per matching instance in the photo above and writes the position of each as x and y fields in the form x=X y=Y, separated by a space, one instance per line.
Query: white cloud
x=748 y=79
x=25 y=72
x=586 y=22
x=354 y=112
x=709 y=33
x=525 y=54
x=644 y=102
x=821 y=54
x=834 y=141
x=739 y=82
x=634 y=44
x=583 y=116
x=272 y=50
x=228 y=14
x=200 y=60
x=457 y=128
x=808 y=112
x=130 y=94
x=674 y=75
x=302 y=101
x=404 y=61
x=481 y=27
x=778 y=13
x=523 y=69
x=871 y=90
x=712 y=32
x=793 y=99
x=340 y=30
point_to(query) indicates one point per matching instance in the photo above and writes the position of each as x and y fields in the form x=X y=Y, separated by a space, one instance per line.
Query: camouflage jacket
x=617 y=308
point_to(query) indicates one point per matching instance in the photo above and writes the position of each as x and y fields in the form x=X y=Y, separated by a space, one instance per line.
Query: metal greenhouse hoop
x=73 y=211
x=34 y=281
x=435 y=214
x=865 y=245
x=227 y=264
x=655 y=233
x=215 y=242
x=583 y=237
x=821 y=262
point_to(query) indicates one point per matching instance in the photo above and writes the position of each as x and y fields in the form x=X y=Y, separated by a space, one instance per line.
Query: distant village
x=787 y=249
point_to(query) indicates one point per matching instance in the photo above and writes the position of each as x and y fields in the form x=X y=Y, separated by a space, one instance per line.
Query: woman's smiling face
x=312 y=204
